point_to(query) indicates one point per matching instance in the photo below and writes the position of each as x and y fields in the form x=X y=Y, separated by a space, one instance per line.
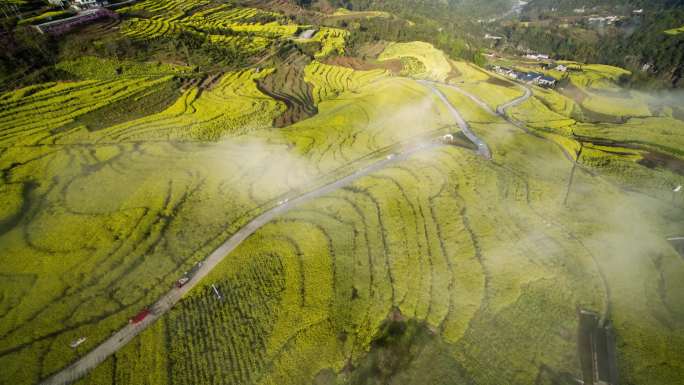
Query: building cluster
x=609 y=20
x=527 y=77
x=79 y=4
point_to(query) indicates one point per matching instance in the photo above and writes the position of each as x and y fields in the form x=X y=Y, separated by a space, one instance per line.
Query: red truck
x=140 y=316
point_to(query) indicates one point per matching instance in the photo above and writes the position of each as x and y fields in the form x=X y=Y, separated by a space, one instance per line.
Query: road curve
x=501 y=110
x=472 y=97
x=166 y=302
x=482 y=147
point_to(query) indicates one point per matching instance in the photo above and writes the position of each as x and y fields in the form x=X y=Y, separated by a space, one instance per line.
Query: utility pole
x=572 y=174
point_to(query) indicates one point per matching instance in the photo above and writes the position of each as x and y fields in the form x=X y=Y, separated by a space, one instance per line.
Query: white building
x=545 y=81
x=537 y=56
x=561 y=68
x=85 y=4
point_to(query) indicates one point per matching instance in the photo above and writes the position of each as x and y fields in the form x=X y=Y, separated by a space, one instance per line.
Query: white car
x=74 y=344
x=391 y=156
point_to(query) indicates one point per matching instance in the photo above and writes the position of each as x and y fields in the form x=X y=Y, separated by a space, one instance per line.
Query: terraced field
x=244 y=30
x=330 y=81
x=472 y=249
x=87 y=197
x=423 y=61
x=490 y=257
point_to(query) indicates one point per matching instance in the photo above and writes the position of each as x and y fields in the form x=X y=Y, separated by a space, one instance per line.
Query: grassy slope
x=476 y=249
x=127 y=236
x=435 y=65
x=485 y=252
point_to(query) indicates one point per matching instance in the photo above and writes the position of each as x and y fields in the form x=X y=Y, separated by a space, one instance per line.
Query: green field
x=307 y=292
x=122 y=175
x=675 y=31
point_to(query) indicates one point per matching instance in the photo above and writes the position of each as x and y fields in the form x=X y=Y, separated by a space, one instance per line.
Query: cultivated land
x=117 y=182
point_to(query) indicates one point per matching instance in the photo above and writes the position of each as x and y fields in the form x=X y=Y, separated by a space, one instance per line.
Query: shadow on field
x=403 y=352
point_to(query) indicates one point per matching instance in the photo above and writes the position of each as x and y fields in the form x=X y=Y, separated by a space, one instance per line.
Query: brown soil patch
x=655 y=159
x=287 y=85
x=372 y=50
x=210 y=81
x=499 y=82
x=454 y=73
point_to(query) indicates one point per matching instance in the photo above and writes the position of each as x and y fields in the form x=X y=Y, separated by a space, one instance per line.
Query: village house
x=527 y=77
x=85 y=4
x=546 y=81
x=537 y=56
x=561 y=68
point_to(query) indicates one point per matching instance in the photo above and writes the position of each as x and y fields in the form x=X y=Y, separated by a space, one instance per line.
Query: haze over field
x=341 y=192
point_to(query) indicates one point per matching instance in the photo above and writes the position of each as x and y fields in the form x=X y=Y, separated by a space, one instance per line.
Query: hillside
x=637 y=39
x=280 y=192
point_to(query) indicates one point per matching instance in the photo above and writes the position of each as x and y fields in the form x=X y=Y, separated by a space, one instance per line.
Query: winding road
x=165 y=303
x=482 y=147
x=501 y=110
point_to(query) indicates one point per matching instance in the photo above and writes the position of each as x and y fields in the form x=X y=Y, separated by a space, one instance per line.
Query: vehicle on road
x=182 y=281
x=74 y=344
x=140 y=316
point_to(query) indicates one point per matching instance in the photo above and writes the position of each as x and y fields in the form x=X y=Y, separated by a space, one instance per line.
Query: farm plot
x=345 y=14
x=168 y=10
x=330 y=81
x=434 y=65
x=331 y=40
x=536 y=115
x=288 y=84
x=233 y=106
x=90 y=67
x=661 y=134
x=485 y=254
x=248 y=30
x=44 y=113
x=110 y=218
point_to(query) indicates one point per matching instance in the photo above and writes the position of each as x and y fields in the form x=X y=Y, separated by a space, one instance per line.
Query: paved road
x=482 y=147
x=472 y=97
x=123 y=336
x=165 y=303
x=501 y=110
